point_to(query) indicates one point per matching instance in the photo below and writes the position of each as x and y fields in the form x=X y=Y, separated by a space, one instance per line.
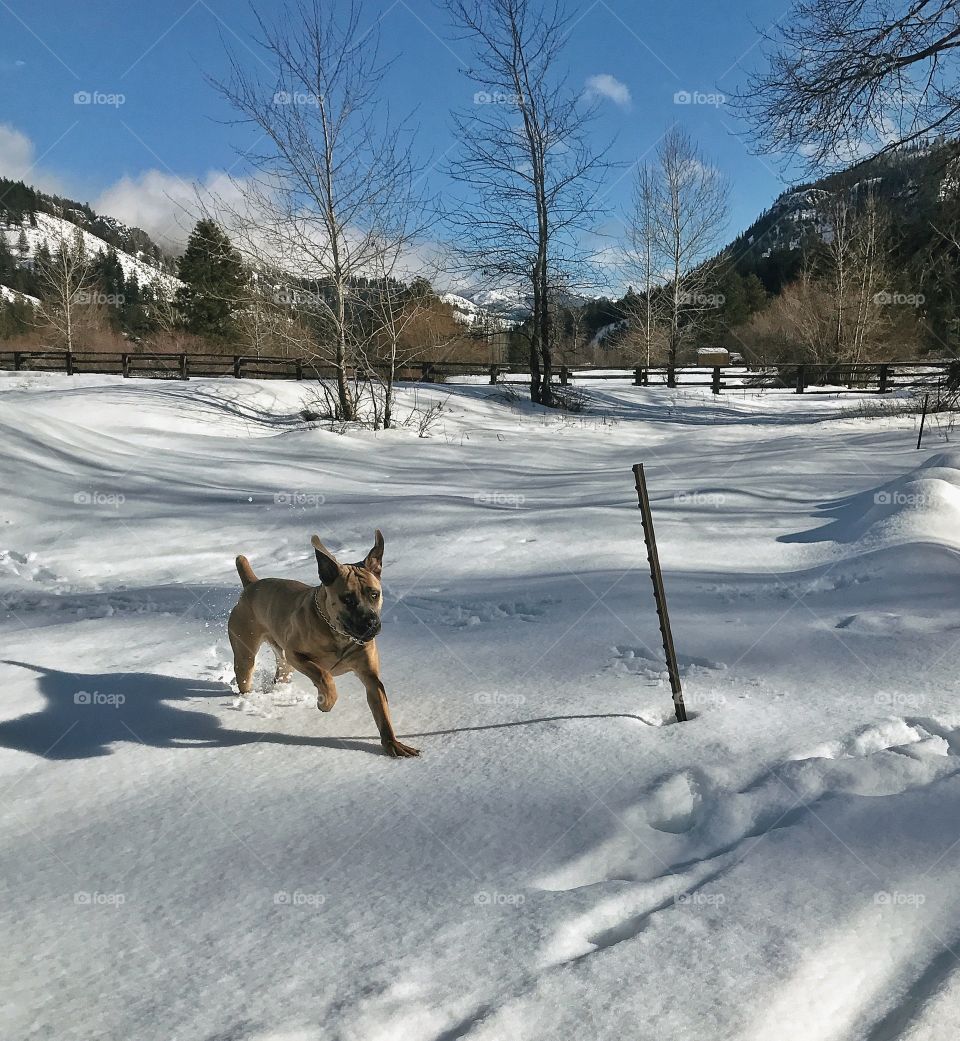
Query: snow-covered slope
x=465 y=311
x=11 y=296
x=564 y=861
x=55 y=230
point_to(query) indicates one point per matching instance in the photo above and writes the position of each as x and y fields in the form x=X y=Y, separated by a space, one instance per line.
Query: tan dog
x=321 y=631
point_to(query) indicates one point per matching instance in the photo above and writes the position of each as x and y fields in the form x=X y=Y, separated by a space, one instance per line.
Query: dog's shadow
x=87 y=713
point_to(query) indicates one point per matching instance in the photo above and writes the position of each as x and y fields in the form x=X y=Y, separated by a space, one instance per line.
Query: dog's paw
x=399 y=750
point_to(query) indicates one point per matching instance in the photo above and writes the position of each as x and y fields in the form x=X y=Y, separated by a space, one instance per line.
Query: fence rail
x=880 y=377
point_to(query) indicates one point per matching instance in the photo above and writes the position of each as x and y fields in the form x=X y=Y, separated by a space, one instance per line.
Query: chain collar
x=335 y=628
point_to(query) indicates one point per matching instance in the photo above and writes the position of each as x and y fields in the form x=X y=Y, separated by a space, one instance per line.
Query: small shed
x=713 y=356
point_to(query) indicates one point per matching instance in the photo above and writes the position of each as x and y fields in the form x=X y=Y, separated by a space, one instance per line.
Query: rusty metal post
x=658 y=593
x=923 y=418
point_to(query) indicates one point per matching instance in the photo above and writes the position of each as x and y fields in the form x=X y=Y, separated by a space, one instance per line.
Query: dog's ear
x=326 y=562
x=374 y=559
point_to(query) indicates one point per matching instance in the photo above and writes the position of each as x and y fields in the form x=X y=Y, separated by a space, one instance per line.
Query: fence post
x=564 y=376
x=638 y=377
x=184 y=367
x=923 y=418
x=69 y=362
x=715 y=387
x=426 y=373
x=125 y=364
x=16 y=361
x=656 y=576
x=801 y=379
x=884 y=377
x=671 y=375
x=236 y=366
x=493 y=375
x=299 y=368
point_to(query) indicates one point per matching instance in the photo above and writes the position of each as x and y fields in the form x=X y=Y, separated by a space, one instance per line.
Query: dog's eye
x=374 y=595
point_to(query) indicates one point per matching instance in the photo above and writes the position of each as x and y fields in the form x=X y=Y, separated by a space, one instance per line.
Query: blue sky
x=170 y=129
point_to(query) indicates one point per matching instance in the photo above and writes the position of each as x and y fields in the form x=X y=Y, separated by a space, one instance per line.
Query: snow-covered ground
x=564 y=861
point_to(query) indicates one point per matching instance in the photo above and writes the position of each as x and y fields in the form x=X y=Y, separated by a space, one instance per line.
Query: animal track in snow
x=24 y=565
x=465 y=614
x=697 y=846
x=672 y=805
x=634 y=661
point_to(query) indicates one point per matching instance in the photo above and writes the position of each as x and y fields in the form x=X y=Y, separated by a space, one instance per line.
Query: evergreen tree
x=214 y=277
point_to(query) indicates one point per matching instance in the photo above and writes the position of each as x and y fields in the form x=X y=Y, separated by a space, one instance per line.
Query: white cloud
x=16 y=153
x=164 y=205
x=167 y=207
x=603 y=85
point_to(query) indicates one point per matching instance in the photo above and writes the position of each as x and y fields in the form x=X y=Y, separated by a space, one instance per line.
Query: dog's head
x=354 y=595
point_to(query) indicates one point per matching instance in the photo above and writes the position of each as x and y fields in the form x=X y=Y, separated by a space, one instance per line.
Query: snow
x=466 y=311
x=54 y=230
x=565 y=860
x=12 y=296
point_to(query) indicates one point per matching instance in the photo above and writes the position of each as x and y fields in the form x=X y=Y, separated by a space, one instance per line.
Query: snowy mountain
x=509 y=305
x=10 y=296
x=470 y=312
x=912 y=185
x=47 y=229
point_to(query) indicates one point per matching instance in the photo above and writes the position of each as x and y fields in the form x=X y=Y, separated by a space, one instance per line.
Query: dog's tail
x=246 y=572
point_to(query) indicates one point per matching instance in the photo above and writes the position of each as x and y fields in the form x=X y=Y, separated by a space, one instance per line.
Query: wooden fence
x=877 y=377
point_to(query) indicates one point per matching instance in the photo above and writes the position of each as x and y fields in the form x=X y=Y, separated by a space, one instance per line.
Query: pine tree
x=214 y=276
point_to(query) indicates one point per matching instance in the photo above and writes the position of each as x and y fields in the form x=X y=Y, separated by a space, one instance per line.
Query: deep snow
x=564 y=861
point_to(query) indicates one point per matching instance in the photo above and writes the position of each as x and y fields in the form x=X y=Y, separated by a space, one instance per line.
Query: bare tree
x=848 y=78
x=531 y=174
x=857 y=271
x=66 y=281
x=324 y=197
x=642 y=259
x=401 y=331
x=680 y=214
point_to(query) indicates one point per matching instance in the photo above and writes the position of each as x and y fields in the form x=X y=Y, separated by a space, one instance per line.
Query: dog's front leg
x=322 y=680
x=377 y=700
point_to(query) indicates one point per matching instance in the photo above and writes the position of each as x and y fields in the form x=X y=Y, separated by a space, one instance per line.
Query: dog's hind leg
x=284 y=673
x=245 y=639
